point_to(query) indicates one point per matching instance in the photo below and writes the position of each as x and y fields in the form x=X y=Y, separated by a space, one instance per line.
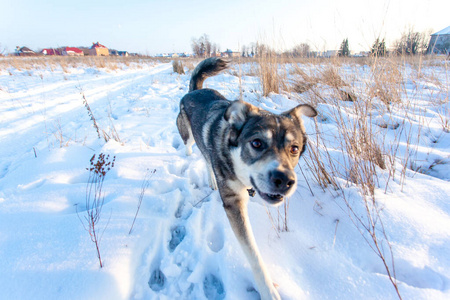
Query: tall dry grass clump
x=352 y=154
x=177 y=67
x=302 y=82
x=272 y=81
x=387 y=81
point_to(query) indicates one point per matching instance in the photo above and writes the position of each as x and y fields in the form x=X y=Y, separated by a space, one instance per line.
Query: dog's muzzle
x=280 y=184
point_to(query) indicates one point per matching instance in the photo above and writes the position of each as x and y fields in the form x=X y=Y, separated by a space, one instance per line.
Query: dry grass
x=177 y=67
x=387 y=82
x=362 y=157
x=272 y=79
x=68 y=62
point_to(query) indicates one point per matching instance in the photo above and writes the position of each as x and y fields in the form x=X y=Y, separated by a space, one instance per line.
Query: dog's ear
x=302 y=110
x=236 y=115
x=238 y=112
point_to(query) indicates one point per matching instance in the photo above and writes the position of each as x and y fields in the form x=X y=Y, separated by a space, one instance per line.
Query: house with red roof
x=50 y=51
x=24 y=51
x=72 y=51
x=98 y=49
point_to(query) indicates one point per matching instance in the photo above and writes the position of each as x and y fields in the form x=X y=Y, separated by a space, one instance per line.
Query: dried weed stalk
x=144 y=187
x=95 y=199
x=91 y=115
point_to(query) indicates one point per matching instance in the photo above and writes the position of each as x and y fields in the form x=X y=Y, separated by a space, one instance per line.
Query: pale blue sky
x=168 y=26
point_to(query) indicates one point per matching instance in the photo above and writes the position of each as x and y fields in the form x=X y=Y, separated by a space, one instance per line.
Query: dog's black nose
x=282 y=181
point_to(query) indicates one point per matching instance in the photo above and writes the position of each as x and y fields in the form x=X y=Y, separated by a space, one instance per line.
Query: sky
x=161 y=26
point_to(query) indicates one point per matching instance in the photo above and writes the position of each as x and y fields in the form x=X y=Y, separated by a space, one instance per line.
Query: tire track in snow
x=39 y=125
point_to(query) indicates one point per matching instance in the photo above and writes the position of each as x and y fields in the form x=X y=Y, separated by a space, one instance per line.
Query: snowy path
x=142 y=106
x=181 y=246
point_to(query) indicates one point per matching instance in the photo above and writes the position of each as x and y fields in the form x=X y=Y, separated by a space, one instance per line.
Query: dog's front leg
x=236 y=208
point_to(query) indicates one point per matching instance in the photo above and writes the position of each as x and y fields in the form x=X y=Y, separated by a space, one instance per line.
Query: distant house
x=24 y=51
x=50 y=51
x=72 y=51
x=362 y=54
x=230 y=53
x=118 y=53
x=165 y=55
x=440 y=42
x=331 y=53
x=98 y=49
x=85 y=50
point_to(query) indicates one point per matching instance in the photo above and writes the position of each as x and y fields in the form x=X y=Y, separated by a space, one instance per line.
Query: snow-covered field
x=181 y=245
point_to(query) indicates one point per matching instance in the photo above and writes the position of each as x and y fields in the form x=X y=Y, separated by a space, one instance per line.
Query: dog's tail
x=207 y=68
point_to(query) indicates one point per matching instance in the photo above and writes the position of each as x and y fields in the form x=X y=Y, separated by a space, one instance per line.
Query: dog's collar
x=251 y=192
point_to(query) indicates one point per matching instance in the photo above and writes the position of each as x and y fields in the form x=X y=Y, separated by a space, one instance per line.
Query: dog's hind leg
x=236 y=208
x=184 y=128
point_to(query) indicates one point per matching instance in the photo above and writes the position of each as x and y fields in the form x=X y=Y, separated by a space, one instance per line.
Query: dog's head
x=266 y=147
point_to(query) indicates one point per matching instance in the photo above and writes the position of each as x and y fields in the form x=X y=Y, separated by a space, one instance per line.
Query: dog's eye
x=294 y=150
x=256 y=143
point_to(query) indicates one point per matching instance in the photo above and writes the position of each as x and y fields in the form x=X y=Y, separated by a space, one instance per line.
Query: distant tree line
x=410 y=43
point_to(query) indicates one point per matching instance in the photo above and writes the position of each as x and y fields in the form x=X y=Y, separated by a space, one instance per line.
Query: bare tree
x=214 y=49
x=195 y=47
x=202 y=46
x=412 y=43
x=301 y=50
x=263 y=50
x=244 y=51
x=207 y=45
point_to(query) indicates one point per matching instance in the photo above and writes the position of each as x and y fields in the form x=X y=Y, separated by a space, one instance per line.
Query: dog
x=247 y=150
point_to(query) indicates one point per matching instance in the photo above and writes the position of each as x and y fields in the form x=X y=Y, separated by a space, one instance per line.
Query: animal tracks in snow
x=157 y=280
x=178 y=234
x=213 y=288
x=215 y=239
x=186 y=265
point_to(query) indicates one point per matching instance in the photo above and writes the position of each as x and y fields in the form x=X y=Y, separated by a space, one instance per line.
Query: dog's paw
x=188 y=151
